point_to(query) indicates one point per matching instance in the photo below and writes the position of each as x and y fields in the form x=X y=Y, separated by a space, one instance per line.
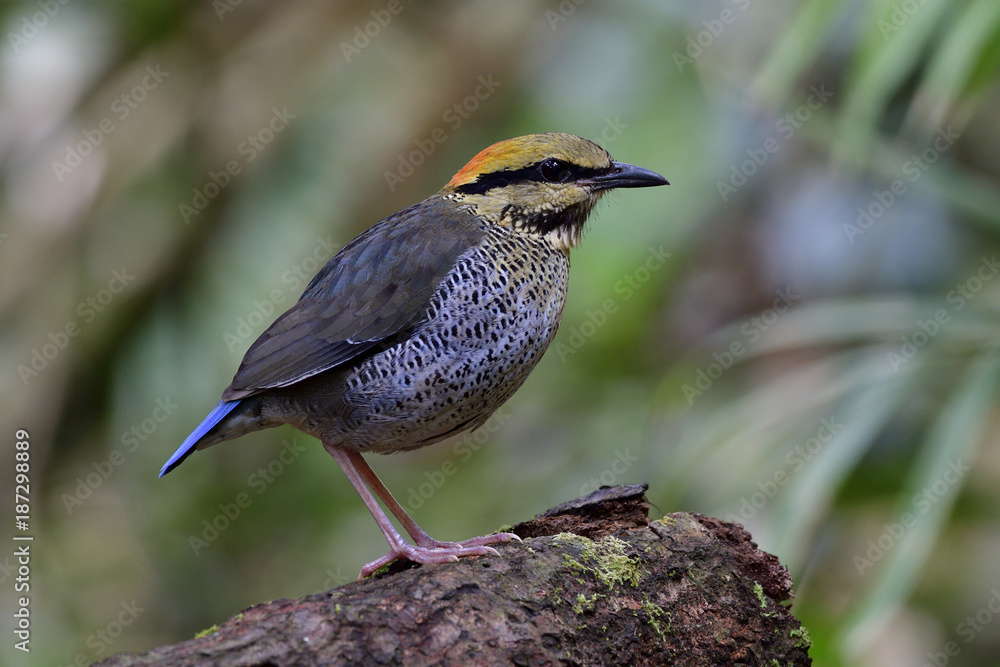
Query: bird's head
x=544 y=183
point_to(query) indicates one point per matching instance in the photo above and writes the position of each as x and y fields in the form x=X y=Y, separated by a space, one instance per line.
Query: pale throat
x=561 y=228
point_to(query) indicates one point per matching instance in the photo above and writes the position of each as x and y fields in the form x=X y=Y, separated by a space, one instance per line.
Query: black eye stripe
x=533 y=172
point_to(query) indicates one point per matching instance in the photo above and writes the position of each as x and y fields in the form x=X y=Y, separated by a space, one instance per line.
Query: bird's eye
x=554 y=171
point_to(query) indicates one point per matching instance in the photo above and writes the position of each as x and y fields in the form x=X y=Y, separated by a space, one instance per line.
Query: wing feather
x=377 y=286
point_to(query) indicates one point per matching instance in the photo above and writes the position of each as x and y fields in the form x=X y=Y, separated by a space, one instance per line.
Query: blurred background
x=799 y=334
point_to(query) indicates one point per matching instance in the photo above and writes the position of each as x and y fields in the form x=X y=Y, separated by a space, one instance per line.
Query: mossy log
x=594 y=583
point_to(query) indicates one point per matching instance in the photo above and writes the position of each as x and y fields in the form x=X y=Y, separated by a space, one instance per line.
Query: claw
x=496 y=538
x=440 y=552
x=426 y=549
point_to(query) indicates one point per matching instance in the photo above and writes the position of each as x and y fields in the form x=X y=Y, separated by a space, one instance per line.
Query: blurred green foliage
x=816 y=358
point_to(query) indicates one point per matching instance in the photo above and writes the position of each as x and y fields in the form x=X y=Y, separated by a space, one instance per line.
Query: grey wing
x=377 y=286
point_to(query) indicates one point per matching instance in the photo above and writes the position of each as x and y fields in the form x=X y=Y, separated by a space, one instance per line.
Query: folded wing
x=378 y=285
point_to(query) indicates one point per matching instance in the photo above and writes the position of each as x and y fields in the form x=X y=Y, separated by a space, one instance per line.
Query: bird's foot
x=438 y=552
x=426 y=540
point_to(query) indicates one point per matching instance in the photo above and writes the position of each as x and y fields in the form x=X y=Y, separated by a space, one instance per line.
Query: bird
x=426 y=323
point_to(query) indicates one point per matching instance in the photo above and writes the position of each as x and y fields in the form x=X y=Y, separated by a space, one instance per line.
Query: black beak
x=622 y=175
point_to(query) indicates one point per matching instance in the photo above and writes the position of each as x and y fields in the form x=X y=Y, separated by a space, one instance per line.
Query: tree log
x=594 y=583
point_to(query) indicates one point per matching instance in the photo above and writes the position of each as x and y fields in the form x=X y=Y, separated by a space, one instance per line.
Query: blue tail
x=189 y=444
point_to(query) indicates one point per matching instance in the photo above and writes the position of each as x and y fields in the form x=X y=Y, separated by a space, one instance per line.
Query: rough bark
x=594 y=583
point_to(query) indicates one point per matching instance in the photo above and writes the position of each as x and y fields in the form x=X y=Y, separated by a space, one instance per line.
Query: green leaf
x=796 y=51
x=935 y=480
x=891 y=51
x=966 y=50
x=861 y=417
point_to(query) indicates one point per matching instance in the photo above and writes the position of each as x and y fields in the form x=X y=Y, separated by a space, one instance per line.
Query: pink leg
x=416 y=532
x=398 y=548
